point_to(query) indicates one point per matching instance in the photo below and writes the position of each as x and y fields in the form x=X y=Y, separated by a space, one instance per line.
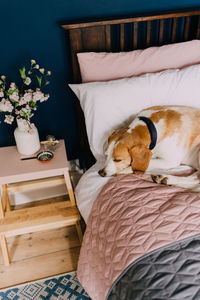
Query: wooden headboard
x=126 y=34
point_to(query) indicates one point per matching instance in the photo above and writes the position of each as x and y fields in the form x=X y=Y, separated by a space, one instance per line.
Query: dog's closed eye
x=117 y=160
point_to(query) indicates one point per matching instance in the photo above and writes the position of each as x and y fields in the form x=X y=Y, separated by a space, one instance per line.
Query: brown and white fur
x=178 y=142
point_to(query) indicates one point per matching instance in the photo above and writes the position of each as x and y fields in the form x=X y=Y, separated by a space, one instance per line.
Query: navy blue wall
x=31 y=30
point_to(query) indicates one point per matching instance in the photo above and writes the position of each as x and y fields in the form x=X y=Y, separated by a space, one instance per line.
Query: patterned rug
x=55 y=288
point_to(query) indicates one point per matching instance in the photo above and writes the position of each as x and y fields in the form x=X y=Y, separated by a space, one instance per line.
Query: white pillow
x=110 y=105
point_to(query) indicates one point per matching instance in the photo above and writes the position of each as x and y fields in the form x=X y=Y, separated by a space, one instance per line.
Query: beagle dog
x=160 y=137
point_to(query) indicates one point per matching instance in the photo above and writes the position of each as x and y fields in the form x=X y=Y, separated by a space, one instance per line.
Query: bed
x=142 y=240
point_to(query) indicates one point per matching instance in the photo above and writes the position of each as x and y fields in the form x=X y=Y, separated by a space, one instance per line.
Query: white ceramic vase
x=26 y=137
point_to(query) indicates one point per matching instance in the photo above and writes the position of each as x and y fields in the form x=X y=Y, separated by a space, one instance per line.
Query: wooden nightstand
x=22 y=175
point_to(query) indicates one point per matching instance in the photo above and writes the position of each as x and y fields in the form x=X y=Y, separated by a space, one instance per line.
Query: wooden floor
x=40 y=255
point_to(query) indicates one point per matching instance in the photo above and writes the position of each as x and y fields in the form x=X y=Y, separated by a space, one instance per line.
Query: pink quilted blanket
x=131 y=217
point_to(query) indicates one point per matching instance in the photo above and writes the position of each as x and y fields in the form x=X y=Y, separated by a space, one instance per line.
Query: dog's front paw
x=160 y=179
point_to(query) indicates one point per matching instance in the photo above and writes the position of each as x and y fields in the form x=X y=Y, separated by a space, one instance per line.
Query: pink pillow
x=104 y=66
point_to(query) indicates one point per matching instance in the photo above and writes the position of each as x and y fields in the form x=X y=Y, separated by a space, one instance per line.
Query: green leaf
x=39 y=79
x=47 y=82
x=10 y=92
x=23 y=72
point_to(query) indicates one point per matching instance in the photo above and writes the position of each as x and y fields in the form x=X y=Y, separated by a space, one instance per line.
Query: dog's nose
x=102 y=173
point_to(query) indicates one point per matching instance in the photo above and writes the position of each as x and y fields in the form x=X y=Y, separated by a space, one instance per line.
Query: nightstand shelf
x=38 y=175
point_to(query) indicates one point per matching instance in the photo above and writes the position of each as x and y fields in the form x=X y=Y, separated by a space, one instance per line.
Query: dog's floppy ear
x=140 y=158
x=115 y=136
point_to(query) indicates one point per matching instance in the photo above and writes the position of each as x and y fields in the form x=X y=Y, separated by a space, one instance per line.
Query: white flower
x=38 y=95
x=9 y=119
x=33 y=61
x=21 y=101
x=27 y=80
x=3 y=77
x=14 y=97
x=27 y=97
x=29 y=91
x=23 y=110
x=49 y=73
x=42 y=70
x=5 y=105
x=12 y=86
x=37 y=66
x=45 y=98
x=1 y=94
x=24 y=113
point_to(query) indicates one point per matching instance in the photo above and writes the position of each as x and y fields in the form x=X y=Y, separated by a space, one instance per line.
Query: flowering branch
x=21 y=103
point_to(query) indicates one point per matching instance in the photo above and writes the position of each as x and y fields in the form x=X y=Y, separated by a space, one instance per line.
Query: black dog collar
x=152 y=131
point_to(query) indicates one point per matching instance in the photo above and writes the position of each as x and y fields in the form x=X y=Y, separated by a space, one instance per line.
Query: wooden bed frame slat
x=174 y=26
x=161 y=32
x=148 y=35
x=98 y=36
x=186 y=29
x=108 y=38
x=198 y=29
x=122 y=37
x=135 y=35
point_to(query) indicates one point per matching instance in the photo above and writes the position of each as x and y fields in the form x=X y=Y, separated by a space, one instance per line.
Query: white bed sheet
x=91 y=183
x=88 y=188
